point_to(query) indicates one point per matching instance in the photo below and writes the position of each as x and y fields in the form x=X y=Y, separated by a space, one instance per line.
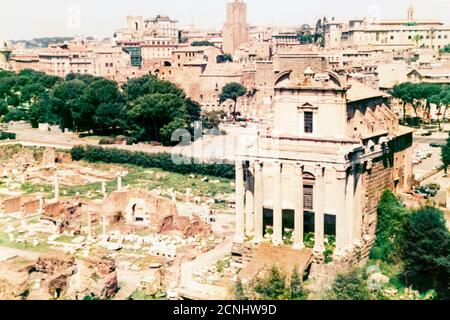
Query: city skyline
x=81 y=17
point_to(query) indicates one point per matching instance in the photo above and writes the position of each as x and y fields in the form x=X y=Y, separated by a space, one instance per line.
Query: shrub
x=434 y=186
x=275 y=286
x=349 y=286
x=146 y=160
x=239 y=291
x=77 y=153
x=106 y=141
x=7 y=135
x=297 y=290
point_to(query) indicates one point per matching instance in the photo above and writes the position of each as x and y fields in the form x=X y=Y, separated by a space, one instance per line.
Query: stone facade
x=333 y=149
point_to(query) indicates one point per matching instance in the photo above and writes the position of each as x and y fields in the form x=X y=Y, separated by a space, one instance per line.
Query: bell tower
x=410 y=14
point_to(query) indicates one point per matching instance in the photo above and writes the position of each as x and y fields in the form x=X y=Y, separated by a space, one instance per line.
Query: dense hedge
x=7 y=135
x=147 y=160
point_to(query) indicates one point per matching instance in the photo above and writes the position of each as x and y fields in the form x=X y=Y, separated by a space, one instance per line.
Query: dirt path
x=6 y=251
x=199 y=290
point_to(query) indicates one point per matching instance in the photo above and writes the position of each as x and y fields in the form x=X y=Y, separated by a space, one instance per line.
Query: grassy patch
x=5 y=242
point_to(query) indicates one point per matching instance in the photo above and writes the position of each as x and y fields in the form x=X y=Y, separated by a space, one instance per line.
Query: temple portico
x=282 y=187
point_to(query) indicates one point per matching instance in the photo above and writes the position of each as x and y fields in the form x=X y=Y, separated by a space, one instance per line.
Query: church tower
x=410 y=15
x=235 y=31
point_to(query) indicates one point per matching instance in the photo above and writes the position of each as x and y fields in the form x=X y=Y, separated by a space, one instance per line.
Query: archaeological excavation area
x=78 y=230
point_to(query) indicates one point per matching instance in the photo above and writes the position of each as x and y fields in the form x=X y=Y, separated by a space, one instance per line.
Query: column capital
x=278 y=165
x=319 y=171
x=258 y=166
x=299 y=169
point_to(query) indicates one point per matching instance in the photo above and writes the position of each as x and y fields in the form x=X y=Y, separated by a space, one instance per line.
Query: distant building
x=235 y=30
x=139 y=29
x=436 y=74
x=113 y=63
x=387 y=35
x=5 y=53
x=149 y=42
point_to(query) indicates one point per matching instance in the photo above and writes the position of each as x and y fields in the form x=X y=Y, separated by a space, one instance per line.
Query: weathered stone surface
x=54 y=262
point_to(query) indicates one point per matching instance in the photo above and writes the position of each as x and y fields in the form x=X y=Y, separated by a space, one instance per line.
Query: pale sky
x=26 y=19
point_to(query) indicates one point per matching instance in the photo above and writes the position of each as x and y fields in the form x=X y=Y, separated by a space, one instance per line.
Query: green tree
x=442 y=100
x=304 y=34
x=224 y=58
x=416 y=40
x=297 y=290
x=232 y=91
x=167 y=131
x=273 y=287
x=446 y=49
x=110 y=116
x=239 y=291
x=402 y=92
x=445 y=153
x=139 y=87
x=211 y=119
x=392 y=218
x=3 y=108
x=152 y=112
x=193 y=110
x=99 y=95
x=349 y=286
x=67 y=100
x=42 y=111
x=425 y=250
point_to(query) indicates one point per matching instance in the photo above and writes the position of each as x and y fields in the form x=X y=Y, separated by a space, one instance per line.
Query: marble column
x=119 y=182
x=41 y=204
x=258 y=207
x=104 y=189
x=358 y=210
x=299 y=209
x=249 y=201
x=341 y=216
x=349 y=205
x=277 y=237
x=240 y=193
x=319 y=195
x=56 y=187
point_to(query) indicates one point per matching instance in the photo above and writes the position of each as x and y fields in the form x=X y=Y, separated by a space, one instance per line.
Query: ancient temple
x=333 y=149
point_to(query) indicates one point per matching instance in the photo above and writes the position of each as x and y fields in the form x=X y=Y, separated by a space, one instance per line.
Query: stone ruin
x=148 y=211
x=58 y=275
x=23 y=205
x=28 y=166
x=65 y=215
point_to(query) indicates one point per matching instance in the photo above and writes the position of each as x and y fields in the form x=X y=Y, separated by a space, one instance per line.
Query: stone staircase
x=284 y=257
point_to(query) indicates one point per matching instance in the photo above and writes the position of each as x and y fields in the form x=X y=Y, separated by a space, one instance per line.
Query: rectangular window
x=308 y=122
x=308 y=197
